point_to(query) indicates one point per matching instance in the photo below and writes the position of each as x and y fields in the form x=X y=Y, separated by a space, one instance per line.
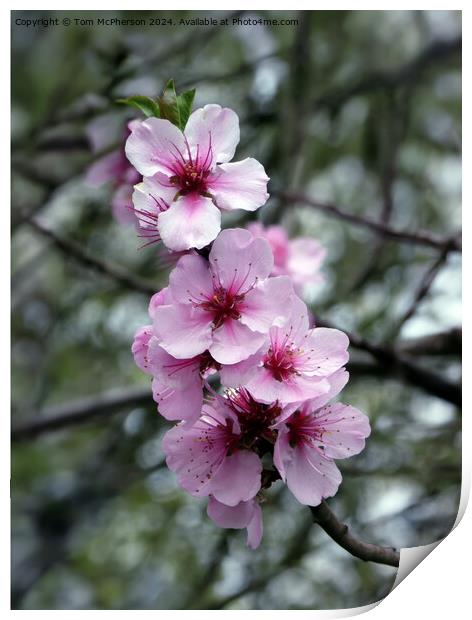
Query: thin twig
x=75 y=250
x=339 y=532
x=81 y=411
x=420 y=238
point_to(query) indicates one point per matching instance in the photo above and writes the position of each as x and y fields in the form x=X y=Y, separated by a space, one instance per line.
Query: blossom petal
x=154 y=146
x=171 y=371
x=178 y=404
x=122 y=205
x=344 y=429
x=192 y=221
x=328 y=350
x=140 y=348
x=153 y=195
x=215 y=130
x=190 y=279
x=183 y=331
x=238 y=479
x=108 y=168
x=240 y=185
x=233 y=517
x=235 y=375
x=266 y=389
x=310 y=476
x=161 y=298
x=304 y=261
x=238 y=260
x=267 y=302
x=233 y=342
x=255 y=528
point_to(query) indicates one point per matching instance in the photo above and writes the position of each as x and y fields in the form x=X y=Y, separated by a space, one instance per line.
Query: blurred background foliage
x=360 y=110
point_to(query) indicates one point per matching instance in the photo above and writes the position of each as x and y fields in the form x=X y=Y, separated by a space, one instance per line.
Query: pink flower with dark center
x=225 y=305
x=311 y=435
x=300 y=258
x=293 y=363
x=243 y=515
x=192 y=179
x=210 y=459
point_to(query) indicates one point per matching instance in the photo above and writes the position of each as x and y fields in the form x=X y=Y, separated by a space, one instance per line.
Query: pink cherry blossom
x=299 y=258
x=311 y=437
x=192 y=181
x=244 y=515
x=210 y=459
x=293 y=363
x=225 y=305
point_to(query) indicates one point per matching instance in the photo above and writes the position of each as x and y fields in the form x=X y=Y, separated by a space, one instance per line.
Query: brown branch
x=443 y=343
x=80 y=411
x=424 y=287
x=452 y=243
x=405 y=368
x=339 y=532
x=79 y=253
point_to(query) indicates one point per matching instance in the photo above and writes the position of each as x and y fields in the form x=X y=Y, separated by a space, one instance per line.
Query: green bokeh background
x=345 y=107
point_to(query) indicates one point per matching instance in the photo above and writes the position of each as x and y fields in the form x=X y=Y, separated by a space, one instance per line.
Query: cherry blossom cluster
x=234 y=360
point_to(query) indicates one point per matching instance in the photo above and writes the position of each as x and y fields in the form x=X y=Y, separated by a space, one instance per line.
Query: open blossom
x=210 y=458
x=244 y=515
x=188 y=178
x=300 y=258
x=225 y=305
x=114 y=168
x=312 y=436
x=294 y=362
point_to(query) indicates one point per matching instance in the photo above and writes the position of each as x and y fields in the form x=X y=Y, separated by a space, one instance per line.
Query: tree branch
x=443 y=343
x=339 y=532
x=81 y=411
x=76 y=251
x=452 y=243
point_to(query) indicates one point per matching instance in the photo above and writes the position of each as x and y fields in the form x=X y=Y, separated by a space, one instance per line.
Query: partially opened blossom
x=243 y=515
x=225 y=305
x=294 y=362
x=114 y=168
x=210 y=459
x=300 y=258
x=311 y=437
x=192 y=181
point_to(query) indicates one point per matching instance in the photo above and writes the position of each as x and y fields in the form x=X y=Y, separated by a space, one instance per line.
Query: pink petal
x=215 y=129
x=173 y=372
x=328 y=350
x=345 y=430
x=233 y=517
x=192 y=221
x=266 y=389
x=305 y=259
x=235 y=375
x=268 y=301
x=255 y=528
x=183 y=331
x=108 y=168
x=233 y=342
x=122 y=205
x=178 y=404
x=161 y=298
x=154 y=146
x=238 y=479
x=238 y=260
x=240 y=185
x=310 y=477
x=152 y=196
x=191 y=279
x=140 y=348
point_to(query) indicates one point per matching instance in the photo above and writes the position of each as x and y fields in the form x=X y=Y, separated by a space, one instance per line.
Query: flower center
x=281 y=363
x=191 y=177
x=223 y=305
x=254 y=418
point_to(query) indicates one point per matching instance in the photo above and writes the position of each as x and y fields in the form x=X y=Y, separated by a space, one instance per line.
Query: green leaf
x=146 y=105
x=176 y=108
